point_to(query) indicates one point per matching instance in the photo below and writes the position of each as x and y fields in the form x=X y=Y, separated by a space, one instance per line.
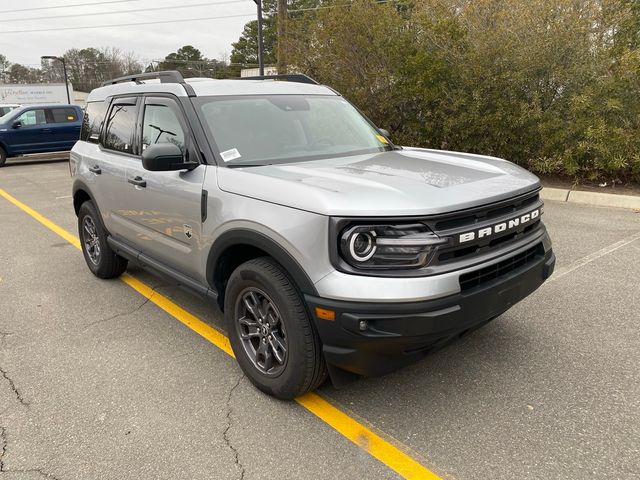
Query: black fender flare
x=79 y=185
x=252 y=238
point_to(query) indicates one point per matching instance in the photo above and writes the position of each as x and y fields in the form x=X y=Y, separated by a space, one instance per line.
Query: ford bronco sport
x=329 y=249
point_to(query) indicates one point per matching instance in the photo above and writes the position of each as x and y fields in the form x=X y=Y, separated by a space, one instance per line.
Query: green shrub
x=543 y=83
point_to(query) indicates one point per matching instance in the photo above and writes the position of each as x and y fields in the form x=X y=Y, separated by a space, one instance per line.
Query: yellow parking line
x=363 y=437
x=72 y=239
x=373 y=444
x=194 y=323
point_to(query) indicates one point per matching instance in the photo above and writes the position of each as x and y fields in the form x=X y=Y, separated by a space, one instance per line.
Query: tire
x=3 y=157
x=102 y=261
x=262 y=284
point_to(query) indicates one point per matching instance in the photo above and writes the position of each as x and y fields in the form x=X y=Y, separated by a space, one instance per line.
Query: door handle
x=138 y=182
x=95 y=169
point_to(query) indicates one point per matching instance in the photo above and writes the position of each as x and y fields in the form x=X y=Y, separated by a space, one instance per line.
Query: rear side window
x=63 y=115
x=121 y=125
x=92 y=121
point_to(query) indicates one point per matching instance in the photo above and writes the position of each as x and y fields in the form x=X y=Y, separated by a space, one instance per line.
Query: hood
x=395 y=183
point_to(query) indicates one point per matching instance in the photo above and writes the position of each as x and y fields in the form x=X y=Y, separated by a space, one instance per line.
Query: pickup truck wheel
x=102 y=261
x=270 y=332
x=3 y=157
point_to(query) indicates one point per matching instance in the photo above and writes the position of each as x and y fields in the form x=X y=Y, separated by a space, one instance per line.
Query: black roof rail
x=167 y=76
x=293 y=77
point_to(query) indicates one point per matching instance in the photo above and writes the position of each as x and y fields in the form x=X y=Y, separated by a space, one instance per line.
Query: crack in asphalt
x=15 y=390
x=225 y=433
x=3 y=469
x=121 y=314
x=3 y=438
x=38 y=470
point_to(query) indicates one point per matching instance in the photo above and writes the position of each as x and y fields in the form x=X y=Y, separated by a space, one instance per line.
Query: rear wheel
x=3 y=157
x=100 y=258
x=270 y=332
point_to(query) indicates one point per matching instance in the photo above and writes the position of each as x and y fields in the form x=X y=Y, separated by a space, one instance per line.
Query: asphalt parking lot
x=99 y=382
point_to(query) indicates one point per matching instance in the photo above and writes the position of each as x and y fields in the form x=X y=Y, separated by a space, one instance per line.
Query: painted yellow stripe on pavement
x=194 y=323
x=375 y=445
x=363 y=437
x=72 y=239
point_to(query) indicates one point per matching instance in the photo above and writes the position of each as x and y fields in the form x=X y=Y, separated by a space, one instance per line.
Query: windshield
x=5 y=114
x=260 y=130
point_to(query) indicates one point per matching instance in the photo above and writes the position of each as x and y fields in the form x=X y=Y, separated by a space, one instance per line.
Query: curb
x=591 y=198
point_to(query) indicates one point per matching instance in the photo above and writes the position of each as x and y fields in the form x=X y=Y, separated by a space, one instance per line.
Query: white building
x=35 y=93
x=254 y=72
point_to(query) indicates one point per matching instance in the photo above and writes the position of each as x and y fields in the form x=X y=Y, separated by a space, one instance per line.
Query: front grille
x=479 y=277
x=488 y=213
x=484 y=216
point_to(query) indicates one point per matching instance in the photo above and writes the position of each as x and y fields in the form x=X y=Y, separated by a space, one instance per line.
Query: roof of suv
x=47 y=105
x=211 y=87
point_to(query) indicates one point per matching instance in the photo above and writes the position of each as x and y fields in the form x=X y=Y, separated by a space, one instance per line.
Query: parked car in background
x=39 y=129
x=7 y=107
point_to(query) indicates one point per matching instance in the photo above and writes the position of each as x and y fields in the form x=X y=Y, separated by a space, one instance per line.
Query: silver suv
x=329 y=249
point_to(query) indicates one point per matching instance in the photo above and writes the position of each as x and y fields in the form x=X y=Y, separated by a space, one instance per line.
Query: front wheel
x=270 y=332
x=3 y=157
x=101 y=259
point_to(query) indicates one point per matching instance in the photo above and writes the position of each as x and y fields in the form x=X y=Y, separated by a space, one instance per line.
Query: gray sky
x=151 y=42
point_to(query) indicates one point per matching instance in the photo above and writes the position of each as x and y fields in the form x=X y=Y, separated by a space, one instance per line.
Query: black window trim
x=113 y=101
x=200 y=141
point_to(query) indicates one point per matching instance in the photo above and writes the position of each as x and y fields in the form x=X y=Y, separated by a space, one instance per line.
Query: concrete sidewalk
x=591 y=198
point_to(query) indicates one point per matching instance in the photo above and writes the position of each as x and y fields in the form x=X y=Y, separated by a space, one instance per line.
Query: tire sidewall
x=3 y=157
x=89 y=210
x=287 y=384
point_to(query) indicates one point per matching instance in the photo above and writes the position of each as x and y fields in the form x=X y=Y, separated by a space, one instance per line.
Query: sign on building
x=36 y=93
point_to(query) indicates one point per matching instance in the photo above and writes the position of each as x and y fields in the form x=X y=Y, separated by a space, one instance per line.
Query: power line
x=73 y=15
x=93 y=27
x=67 y=6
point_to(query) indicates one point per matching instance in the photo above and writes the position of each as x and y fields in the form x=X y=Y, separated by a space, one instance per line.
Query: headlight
x=388 y=246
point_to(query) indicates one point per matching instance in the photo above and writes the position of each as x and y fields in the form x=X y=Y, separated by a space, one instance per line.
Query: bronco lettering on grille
x=500 y=227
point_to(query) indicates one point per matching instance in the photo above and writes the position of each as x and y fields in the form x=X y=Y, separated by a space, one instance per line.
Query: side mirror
x=384 y=133
x=165 y=157
x=16 y=124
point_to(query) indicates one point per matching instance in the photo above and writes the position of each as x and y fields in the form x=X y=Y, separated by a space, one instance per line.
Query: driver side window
x=161 y=125
x=32 y=117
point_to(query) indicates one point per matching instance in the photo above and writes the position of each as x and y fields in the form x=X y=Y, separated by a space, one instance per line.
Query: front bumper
x=397 y=334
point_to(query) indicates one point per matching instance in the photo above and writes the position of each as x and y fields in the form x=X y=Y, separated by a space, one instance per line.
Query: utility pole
x=260 y=45
x=282 y=41
x=64 y=68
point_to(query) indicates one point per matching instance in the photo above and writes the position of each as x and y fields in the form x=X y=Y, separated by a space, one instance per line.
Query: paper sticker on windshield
x=382 y=139
x=229 y=155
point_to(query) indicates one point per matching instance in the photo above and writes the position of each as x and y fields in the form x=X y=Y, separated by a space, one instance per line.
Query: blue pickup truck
x=39 y=129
